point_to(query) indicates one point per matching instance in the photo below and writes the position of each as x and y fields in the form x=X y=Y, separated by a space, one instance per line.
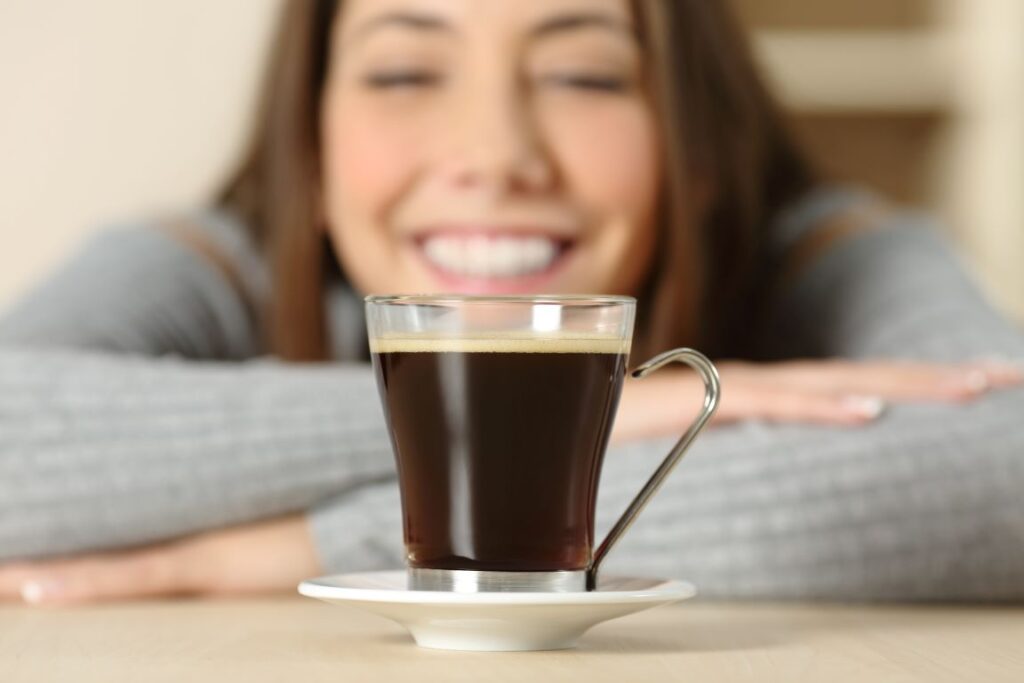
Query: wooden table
x=293 y=639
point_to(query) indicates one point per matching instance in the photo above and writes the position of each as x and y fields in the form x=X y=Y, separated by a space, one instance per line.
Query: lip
x=470 y=284
x=493 y=231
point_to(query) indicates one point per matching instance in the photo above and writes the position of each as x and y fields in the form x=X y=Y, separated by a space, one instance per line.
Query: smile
x=492 y=256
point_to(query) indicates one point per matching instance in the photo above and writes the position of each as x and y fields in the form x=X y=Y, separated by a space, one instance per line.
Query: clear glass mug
x=499 y=411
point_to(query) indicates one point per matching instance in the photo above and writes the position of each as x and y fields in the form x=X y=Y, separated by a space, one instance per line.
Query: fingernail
x=869 y=407
x=37 y=591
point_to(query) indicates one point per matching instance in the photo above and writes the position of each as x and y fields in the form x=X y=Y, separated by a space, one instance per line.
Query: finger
x=895 y=380
x=12 y=576
x=116 y=576
x=802 y=406
x=1001 y=373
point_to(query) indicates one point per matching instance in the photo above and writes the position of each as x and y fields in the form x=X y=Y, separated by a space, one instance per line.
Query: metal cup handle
x=712 y=390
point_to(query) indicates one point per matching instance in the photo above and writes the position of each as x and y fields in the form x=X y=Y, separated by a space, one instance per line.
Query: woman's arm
x=103 y=444
x=102 y=451
x=925 y=504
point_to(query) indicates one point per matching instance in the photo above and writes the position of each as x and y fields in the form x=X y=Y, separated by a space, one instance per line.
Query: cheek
x=366 y=163
x=617 y=180
x=609 y=158
x=368 y=160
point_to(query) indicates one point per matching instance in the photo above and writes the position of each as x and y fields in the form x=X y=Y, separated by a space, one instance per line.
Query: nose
x=496 y=144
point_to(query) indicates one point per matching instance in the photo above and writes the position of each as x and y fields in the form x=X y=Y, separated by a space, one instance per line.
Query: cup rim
x=562 y=299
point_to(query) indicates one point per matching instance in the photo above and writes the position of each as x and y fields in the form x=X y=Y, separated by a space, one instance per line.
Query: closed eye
x=593 y=82
x=401 y=79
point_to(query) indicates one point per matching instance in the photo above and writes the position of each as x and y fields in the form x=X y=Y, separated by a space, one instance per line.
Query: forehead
x=470 y=15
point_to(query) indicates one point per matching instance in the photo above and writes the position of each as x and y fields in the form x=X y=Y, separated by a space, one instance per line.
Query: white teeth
x=480 y=256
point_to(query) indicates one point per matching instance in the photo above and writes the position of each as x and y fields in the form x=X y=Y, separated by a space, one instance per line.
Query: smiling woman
x=527 y=147
x=514 y=147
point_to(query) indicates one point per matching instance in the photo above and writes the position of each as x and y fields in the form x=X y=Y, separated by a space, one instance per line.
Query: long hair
x=723 y=136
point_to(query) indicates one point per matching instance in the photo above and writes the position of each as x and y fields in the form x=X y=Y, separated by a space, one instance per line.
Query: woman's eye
x=401 y=79
x=590 y=82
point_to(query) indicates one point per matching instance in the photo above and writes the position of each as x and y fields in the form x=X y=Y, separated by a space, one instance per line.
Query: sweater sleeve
x=122 y=420
x=135 y=289
x=924 y=504
x=897 y=290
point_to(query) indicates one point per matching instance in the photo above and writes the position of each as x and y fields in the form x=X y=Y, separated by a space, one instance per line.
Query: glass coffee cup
x=499 y=411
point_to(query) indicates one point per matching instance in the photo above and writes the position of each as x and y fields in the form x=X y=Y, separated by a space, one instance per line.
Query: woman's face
x=489 y=146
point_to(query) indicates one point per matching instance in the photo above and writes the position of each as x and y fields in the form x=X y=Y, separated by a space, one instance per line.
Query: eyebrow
x=552 y=26
x=413 y=20
x=576 y=21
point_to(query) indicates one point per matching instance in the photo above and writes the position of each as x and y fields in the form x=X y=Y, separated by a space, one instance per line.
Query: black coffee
x=499 y=444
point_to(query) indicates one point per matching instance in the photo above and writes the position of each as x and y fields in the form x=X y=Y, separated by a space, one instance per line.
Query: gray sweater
x=136 y=405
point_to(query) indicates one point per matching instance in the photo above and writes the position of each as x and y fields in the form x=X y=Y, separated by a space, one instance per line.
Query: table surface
x=294 y=639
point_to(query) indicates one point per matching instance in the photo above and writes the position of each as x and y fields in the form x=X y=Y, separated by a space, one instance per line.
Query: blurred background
x=113 y=109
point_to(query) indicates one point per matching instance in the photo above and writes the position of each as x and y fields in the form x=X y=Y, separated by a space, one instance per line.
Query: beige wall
x=112 y=109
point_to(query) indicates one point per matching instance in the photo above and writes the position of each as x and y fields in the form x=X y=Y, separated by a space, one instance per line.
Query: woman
x=540 y=145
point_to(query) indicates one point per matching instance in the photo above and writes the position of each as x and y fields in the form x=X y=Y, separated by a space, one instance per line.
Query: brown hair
x=721 y=131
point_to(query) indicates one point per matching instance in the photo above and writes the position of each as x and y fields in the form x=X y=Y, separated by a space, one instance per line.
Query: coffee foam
x=512 y=342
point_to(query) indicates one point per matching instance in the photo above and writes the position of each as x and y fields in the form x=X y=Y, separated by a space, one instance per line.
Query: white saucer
x=494 y=621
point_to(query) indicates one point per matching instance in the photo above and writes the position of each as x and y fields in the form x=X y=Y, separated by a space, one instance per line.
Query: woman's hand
x=261 y=557
x=834 y=392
